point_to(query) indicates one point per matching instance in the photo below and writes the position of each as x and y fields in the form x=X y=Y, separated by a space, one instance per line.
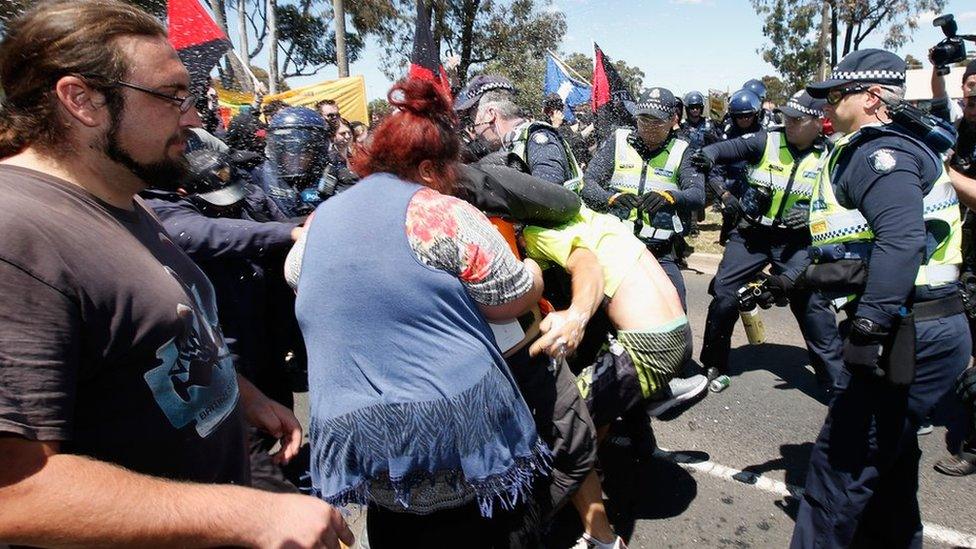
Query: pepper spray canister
x=749 y=312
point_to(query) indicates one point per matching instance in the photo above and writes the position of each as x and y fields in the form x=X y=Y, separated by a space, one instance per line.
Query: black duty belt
x=938 y=308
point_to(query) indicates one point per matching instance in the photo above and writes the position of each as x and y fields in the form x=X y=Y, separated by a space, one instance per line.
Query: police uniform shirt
x=546 y=156
x=599 y=171
x=885 y=178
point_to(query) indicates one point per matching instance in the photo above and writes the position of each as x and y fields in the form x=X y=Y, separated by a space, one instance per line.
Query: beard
x=166 y=174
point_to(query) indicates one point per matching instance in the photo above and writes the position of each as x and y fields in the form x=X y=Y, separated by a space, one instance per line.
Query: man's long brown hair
x=54 y=39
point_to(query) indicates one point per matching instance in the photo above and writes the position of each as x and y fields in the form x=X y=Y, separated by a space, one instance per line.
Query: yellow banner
x=349 y=93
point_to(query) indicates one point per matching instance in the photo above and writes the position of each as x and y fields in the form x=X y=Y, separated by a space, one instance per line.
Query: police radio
x=938 y=134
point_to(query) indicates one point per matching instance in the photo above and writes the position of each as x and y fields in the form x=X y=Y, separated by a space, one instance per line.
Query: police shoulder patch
x=882 y=160
x=540 y=137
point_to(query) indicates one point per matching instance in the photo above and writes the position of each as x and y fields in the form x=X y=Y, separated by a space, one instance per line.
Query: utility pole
x=272 y=23
x=822 y=42
x=340 y=29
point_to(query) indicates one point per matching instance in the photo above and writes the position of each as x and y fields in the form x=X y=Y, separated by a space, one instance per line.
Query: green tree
x=379 y=107
x=776 y=90
x=792 y=28
x=912 y=62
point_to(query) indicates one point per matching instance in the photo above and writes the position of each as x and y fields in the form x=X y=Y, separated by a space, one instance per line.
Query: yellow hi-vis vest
x=788 y=180
x=831 y=223
x=631 y=174
x=520 y=148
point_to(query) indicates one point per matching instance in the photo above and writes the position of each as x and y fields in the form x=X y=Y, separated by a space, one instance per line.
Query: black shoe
x=958 y=465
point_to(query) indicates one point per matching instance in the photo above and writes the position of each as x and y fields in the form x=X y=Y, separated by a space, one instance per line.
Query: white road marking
x=931 y=531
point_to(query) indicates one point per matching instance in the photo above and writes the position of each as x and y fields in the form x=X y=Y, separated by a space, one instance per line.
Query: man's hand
x=797 y=217
x=302 y=521
x=273 y=418
x=702 y=162
x=628 y=201
x=562 y=332
x=775 y=291
x=653 y=201
x=862 y=348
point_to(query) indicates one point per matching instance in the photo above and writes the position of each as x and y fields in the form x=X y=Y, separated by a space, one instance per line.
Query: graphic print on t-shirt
x=196 y=381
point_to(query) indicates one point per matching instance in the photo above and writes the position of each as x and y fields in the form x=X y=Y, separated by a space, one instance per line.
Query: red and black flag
x=425 y=61
x=611 y=96
x=197 y=39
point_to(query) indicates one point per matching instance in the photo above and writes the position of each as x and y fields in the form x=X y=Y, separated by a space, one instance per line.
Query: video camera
x=953 y=48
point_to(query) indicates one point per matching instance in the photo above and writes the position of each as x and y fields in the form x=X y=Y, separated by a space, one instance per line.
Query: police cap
x=870 y=66
x=801 y=104
x=479 y=85
x=656 y=102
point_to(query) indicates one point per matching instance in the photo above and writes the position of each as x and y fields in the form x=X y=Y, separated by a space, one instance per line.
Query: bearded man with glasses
x=885 y=225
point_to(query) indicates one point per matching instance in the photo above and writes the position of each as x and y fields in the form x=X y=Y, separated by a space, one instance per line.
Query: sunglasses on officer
x=837 y=95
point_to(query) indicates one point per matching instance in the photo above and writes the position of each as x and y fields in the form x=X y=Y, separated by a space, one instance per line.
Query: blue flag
x=558 y=81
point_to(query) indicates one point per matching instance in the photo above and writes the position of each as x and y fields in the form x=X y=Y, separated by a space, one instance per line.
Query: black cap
x=870 y=66
x=656 y=102
x=479 y=85
x=801 y=104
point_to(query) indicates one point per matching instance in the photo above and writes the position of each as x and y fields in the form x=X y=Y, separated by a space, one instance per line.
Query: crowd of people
x=472 y=298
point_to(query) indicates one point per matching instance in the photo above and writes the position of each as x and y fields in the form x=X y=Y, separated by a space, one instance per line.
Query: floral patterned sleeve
x=451 y=235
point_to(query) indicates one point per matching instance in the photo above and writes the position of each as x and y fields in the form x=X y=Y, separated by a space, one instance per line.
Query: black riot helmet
x=297 y=146
x=213 y=184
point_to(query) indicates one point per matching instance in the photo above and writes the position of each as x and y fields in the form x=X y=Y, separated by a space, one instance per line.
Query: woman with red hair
x=413 y=410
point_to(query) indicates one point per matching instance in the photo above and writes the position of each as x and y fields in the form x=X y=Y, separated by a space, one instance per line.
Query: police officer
x=211 y=219
x=644 y=176
x=533 y=146
x=783 y=165
x=297 y=151
x=743 y=115
x=696 y=128
x=766 y=117
x=884 y=199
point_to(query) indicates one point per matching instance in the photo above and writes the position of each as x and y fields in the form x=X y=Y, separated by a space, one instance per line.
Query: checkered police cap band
x=491 y=86
x=670 y=109
x=805 y=110
x=867 y=75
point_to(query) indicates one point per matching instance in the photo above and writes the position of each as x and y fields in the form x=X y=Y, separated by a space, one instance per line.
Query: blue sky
x=679 y=44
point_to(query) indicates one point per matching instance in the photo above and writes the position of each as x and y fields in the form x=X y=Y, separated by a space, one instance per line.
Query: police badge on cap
x=870 y=66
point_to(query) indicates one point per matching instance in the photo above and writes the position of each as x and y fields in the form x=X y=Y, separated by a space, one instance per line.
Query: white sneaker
x=588 y=542
x=680 y=390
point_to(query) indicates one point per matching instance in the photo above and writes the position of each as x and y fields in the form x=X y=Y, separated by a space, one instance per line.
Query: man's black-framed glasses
x=836 y=95
x=184 y=102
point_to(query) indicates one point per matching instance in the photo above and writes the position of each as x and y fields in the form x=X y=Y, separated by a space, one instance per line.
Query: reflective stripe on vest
x=521 y=149
x=832 y=223
x=777 y=169
x=631 y=174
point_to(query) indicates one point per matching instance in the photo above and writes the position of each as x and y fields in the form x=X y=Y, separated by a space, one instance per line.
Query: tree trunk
x=342 y=61
x=822 y=41
x=242 y=31
x=272 y=22
x=468 y=14
x=833 y=33
x=848 y=34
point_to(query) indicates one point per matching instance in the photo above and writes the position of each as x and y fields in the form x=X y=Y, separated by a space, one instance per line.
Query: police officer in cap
x=885 y=225
x=782 y=166
x=533 y=146
x=644 y=176
x=696 y=128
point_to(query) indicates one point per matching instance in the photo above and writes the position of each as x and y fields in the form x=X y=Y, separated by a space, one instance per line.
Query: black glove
x=628 y=201
x=701 y=162
x=775 y=291
x=966 y=384
x=797 y=217
x=862 y=348
x=730 y=204
x=653 y=201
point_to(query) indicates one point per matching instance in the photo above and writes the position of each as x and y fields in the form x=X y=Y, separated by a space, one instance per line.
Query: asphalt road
x=743 y=452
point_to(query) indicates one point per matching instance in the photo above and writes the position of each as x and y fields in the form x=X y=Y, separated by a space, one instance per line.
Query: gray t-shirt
x=109 y=341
